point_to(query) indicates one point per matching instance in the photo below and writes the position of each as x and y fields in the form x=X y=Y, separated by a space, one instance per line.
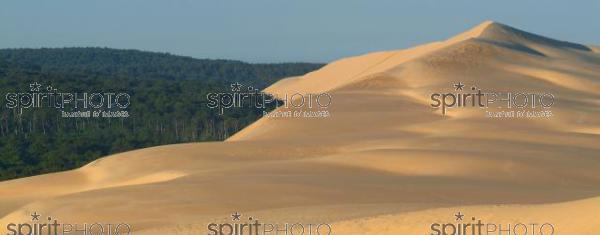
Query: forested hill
x=141 y=64
x=168 y=103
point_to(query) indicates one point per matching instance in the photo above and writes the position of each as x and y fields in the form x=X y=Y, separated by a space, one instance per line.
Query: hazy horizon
x=264 y=31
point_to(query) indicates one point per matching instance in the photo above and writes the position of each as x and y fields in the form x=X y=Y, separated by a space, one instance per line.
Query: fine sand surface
x=384 y=162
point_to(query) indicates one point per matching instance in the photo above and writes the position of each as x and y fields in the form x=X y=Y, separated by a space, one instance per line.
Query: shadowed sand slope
x=384 y=156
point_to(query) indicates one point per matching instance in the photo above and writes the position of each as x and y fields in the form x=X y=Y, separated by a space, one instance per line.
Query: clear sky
x=279 y=30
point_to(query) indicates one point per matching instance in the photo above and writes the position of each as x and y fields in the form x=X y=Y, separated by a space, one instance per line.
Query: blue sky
x=279 y=30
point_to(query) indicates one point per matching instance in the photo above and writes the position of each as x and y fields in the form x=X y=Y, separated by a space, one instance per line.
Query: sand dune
x=574 y=218
x=385 y=162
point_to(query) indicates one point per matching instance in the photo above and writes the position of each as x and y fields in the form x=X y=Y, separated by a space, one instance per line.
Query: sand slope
x=577 y=217
x=384 y=158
